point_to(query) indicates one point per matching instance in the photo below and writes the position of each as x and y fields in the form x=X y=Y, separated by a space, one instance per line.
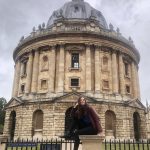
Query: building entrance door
x=136 y=124
x=12 y=124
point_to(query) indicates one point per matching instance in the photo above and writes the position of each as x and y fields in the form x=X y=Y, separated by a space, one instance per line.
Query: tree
x=2 y=113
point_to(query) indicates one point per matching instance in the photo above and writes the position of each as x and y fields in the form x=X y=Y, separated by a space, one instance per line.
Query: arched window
x=45 y=63
x=105 y=63
x=126 y=67
x=110 y=123
x=38 y=120
x=12 y=124
x=105 y=60
x=128 y=91
x=22 y=88
x=24 y=68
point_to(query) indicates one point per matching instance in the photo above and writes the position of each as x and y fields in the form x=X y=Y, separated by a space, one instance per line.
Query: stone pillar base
x=3 y=139
x=2 y=146
x=90 y=142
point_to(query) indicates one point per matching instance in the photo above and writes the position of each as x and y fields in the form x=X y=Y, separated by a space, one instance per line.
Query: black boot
x=76 y=147
x=76 y=142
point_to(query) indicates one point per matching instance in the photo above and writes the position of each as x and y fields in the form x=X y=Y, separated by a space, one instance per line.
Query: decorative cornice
x=102 y=32
x=27 y=47
x=53 y=47
x=75 y=47
x=98 y=46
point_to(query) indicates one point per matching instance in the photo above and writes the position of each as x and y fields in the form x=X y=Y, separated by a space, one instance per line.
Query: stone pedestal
x=2 y=146
x=90 y=142
x=3 y=139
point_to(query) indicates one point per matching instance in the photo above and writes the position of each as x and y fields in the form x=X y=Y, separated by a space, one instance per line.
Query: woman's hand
x=101 y=134
x=75 y=105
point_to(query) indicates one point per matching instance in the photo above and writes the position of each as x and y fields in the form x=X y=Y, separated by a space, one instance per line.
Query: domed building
x=75 y=55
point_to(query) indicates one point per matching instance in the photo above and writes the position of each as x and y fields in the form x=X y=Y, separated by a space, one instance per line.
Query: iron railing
x=53 y=144
x=61 y=144
x=126 y=145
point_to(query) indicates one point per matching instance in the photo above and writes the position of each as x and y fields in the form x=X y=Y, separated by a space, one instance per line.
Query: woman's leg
x=84 y=131
x=87 y=131
x=77 y=142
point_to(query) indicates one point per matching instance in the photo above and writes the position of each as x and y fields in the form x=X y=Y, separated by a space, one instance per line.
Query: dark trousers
x=85 y=131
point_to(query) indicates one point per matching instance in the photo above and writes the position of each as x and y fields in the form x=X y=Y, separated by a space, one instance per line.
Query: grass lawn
x=127 y=146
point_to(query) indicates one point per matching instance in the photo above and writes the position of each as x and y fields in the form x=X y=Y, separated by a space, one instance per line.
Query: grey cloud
x=17 y=19
x=133 y=19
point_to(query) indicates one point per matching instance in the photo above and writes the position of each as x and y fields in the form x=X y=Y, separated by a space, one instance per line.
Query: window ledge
x=43 y=92
x=105 y=70
x=129 y=94
x=74 y=87
x=70 y=69
x=44 y=70
x=38 y=130
x=105 y=88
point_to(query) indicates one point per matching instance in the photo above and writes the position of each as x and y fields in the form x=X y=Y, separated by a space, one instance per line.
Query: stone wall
x=54 y=119
x=95 y=78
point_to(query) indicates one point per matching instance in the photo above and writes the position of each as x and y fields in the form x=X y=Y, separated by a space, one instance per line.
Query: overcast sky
x=19 y=16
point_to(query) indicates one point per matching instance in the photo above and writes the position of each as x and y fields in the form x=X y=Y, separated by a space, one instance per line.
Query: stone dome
x=79 y=10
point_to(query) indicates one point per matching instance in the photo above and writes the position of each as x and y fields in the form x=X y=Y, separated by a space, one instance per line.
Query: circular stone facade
x=72 y=57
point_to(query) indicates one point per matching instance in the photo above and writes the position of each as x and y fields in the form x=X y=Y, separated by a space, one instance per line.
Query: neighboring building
x=148 y=119
x=75 y=55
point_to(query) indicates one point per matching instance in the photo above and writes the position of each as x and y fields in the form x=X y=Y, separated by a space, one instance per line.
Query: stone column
x=138 y=84
x=53 y=69
x=3 y=146
x=29 y=74
x=121 y=75
x=115 y=73
x=133 y=79
x=97 y=70
x=16 y=78
x=61 y=69
x=22 y=68
x=88 y=68
x=3 y=141
x=13 y=94
x=35 y=72
x=90 y=142
x=134 y=75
